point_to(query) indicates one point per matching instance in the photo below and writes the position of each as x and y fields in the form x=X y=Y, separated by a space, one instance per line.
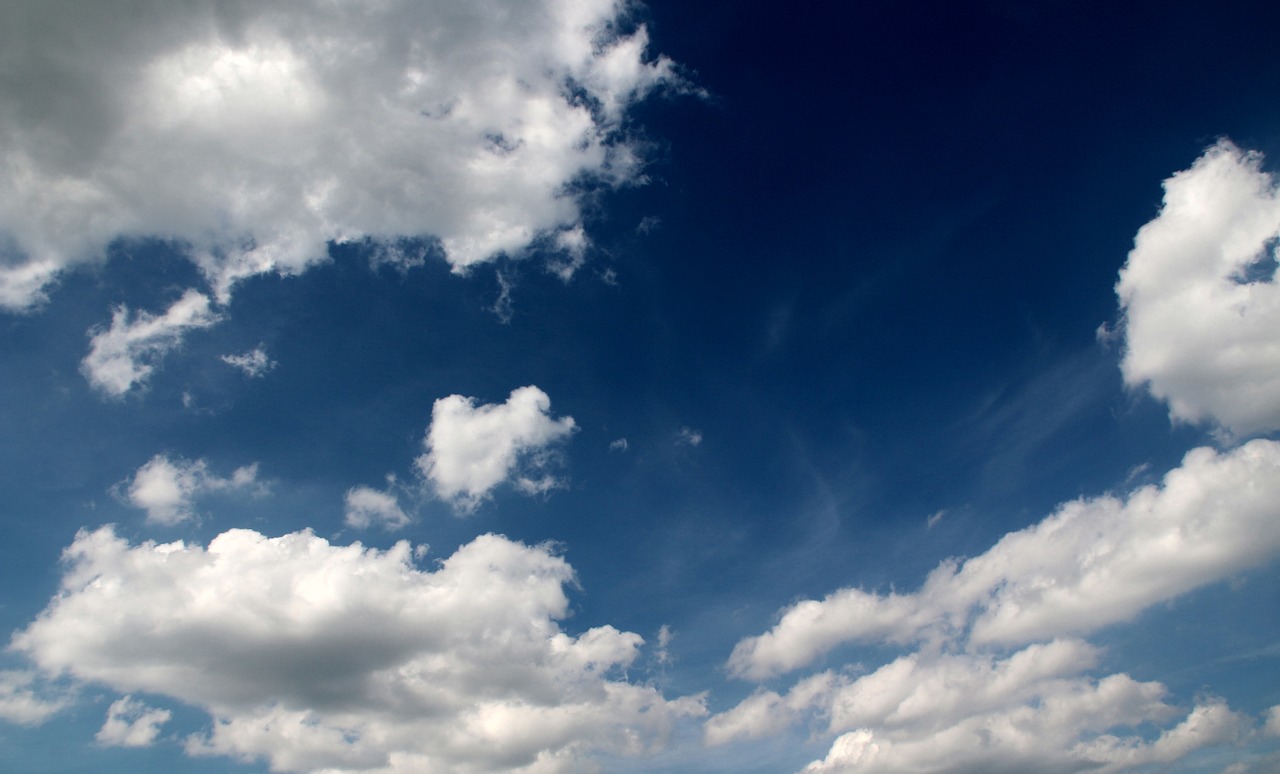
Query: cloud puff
x=1199 y=299
x=254 y=363
x=252 y=134
x=130 y=723
x=21 y=703
x=1091 y=563
x=962 y=702
x=472 y=449
x=367 y=507
x=166 y=488
x=124 y=355
x=317 y=656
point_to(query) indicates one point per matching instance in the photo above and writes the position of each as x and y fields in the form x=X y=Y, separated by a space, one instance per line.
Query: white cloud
x=1091 y=563
x=688 y=437
x=130 y=723
x=368 y=507
x=1200 y=332
x=254 y=363
x=619 y=445
x=317 y=656
x=124 y=355
x=253 y=134
x=963 y=702
x=21 y=703
x=472 y=449
x=166 y=488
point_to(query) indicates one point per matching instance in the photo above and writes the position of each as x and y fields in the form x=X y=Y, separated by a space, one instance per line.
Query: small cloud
x=166 y=488
x=572 y=245
x=367 y=507
x=472 y=449
x=935 y=518
x=21 y=703
x=648 y=224
x=664 y=641
x=254 y=363
x=609 y=277
x=619 y=445
x=130 y=723
x=125 y=354
x=688 y=437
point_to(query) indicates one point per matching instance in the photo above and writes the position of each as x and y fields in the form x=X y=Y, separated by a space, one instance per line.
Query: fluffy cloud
x=166 y=488
x=130 y=723
x=472 y=449
x=252 y=134
x=1091 y=563
x=315 y=656
x=22 y=703
x=1199 y=299
x=254 y=363
x=124 y=355
x=367 y=507
x=962 y=701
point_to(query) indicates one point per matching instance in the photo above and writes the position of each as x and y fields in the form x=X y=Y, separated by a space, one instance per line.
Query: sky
x=582 y=385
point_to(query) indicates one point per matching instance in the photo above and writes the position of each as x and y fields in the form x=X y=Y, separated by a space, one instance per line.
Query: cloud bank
x=962 y=701
x=472 y=449
x=252 y=134
x=315 y=656
x=1199 y=298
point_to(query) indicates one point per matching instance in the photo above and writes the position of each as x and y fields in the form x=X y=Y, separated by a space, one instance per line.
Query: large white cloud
x=1200 y=308
x=253 y=133
x=321 y=657
x=1091 y=563
x=472 y=449
x=963 y=701
x=167 y=488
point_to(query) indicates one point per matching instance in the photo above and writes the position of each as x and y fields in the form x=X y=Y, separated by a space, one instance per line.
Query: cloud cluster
x=1199 y=297
x=962 y=701
x=472 y=449
x=253 y=134
x=167 y=488
x=22 y=703
x=254 y=363
x=316 y=656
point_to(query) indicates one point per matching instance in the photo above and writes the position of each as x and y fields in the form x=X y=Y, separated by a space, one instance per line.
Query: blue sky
x=688 y=387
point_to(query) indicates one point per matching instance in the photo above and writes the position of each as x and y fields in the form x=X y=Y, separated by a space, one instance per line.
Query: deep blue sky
x=867 y=264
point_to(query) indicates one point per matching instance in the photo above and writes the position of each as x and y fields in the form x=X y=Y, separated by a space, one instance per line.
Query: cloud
x=316 y=656
x=22 y=704
x=688 y=437
x=254 y=363
x=472 y=449
x=998 y=681
x=1199 y=299
x=619 y=445
x=251 y=135
x=1091 y=563
x=167 y=488
x=130 y=723
x=124 y=355
x=368 y=507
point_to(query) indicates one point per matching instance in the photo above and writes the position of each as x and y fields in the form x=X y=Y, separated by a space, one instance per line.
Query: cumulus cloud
x=316 y=656
x=124 y=355
x=963 y=701
x=1091 y=563
x=688 y=437
x=1199 y=298
x=22 y=703
x=253 y=134
x=254 y=363
x=131 y=723
x=368 y=507
x=167 y=488
x=472 y=449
